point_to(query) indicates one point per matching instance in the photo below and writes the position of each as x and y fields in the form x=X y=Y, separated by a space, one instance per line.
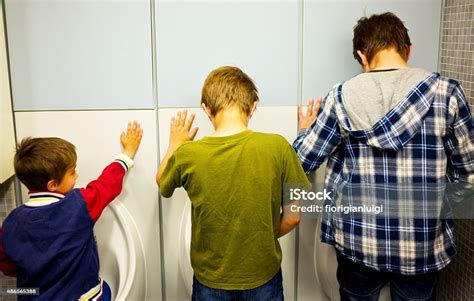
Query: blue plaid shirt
x=403 y=163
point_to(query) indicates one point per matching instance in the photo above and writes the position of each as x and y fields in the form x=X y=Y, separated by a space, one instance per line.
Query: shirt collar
x=43 y=198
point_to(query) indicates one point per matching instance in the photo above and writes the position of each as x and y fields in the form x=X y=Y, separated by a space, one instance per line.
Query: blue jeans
x=360 y=283
x=270 y=291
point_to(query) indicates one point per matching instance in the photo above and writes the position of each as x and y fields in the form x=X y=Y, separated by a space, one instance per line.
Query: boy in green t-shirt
x=238 y=182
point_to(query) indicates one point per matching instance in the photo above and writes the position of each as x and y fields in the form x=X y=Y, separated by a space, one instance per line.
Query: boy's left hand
x=180 y=130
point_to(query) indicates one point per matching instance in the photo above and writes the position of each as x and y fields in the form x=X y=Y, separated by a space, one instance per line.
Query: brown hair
x=380 y=32
x=226 y=86
x=39 y=160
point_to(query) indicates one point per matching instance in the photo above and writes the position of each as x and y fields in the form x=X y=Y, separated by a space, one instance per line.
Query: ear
x=254 y=107
x=207 y=110
x=409 y=52
x=365 y=62
x=52 y=186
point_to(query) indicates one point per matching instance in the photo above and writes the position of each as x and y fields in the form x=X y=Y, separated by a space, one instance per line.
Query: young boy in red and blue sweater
x=50 y=238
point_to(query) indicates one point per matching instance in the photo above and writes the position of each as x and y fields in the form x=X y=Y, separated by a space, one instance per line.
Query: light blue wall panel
x=328 y=35
x=194 y=37
x=80 y=54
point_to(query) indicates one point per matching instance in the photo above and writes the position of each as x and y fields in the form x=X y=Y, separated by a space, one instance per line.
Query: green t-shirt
x=236 y=185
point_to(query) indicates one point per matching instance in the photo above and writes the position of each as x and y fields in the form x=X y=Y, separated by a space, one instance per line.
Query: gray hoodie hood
x=386 y=109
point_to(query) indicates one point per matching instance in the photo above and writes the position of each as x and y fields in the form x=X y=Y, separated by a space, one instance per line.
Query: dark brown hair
x=226 y=86
x=39 y=160
x=380 y=32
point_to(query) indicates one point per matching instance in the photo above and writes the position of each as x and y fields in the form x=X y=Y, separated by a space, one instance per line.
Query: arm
x=288 y=219
x=459 y=146
x=180 y=132
x=314 y=144
x=99 y=193
x=164 y=162
x=6 y=266
x=293 y=177
x=459 y=143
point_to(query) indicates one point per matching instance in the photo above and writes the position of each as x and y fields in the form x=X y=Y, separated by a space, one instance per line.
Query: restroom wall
x=7 y=186
x=194 y=37
x=327 y=38
x=7 y=135
x=457 y=44
x=457 y=61
x=71 y=55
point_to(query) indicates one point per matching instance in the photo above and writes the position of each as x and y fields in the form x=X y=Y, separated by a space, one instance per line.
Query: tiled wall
x=457 y=61
x=7 y=203
x=457 y=44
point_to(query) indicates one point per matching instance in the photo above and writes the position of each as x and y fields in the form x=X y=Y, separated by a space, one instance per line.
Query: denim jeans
x=360 y=283
x=270 y=291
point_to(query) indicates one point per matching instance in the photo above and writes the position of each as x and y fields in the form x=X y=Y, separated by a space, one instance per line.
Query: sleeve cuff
x=125 y=161
x=302 y=132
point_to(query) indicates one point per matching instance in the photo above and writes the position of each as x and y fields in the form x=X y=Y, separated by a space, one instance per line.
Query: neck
x=229 y=121
x=387 y=59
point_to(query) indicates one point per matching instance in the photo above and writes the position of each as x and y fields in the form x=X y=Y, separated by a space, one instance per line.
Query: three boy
x=390 y=125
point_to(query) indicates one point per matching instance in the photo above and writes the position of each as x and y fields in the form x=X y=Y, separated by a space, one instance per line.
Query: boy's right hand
x=180 y=131
x=305 y=121
x=131 y=139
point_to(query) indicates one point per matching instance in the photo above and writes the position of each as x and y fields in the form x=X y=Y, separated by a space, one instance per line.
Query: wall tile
x=194 y=37
x=74 y=55
x=457 y=61
x=327 y=54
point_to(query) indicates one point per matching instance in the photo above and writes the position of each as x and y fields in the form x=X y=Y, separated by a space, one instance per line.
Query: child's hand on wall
x=305 y=121
x=131 y=139
x=180 y=131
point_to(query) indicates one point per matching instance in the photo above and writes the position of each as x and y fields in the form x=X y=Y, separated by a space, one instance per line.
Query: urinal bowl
x=122 y=261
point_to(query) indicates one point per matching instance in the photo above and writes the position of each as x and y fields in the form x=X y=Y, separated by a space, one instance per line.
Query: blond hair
x=227 y=86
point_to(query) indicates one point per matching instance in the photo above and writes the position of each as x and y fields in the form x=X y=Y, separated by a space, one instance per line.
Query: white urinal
x=185 y=248
x=325 y=265
x=122 y=261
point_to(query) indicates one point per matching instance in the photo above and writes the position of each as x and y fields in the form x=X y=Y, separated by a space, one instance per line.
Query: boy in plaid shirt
x=394 y=136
